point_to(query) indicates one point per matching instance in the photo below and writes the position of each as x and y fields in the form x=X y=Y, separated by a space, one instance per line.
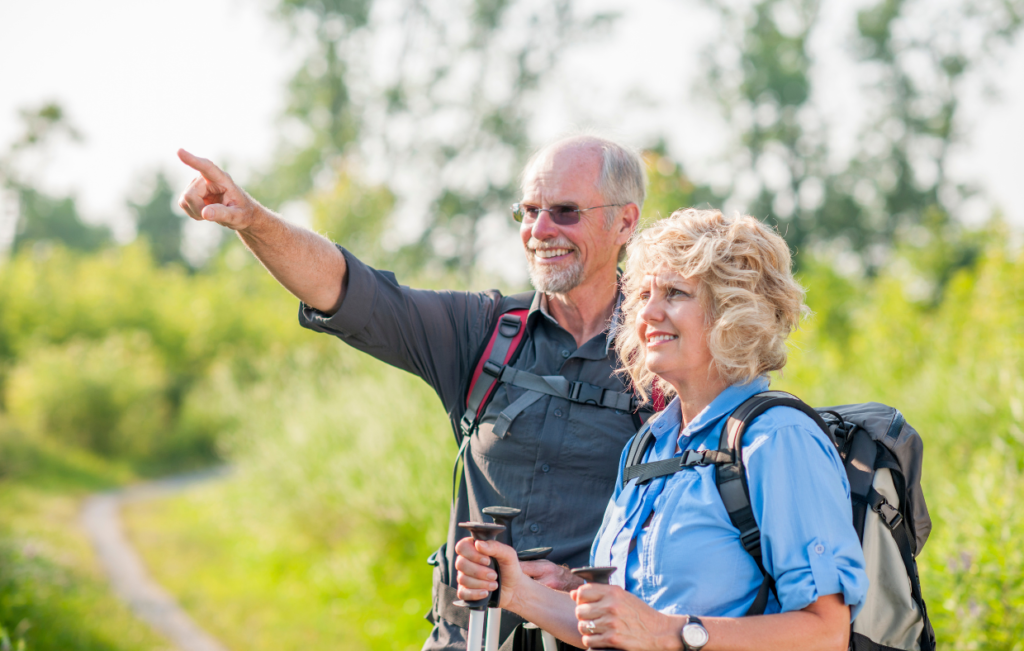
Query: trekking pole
x=502 y=515
x=478 y=608
x=595 y=575
x=537 y=553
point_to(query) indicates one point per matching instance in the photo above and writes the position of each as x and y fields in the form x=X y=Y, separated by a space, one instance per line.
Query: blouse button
x=819 y=549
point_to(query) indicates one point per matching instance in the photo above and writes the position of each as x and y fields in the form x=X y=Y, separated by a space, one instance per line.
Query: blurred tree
x=46 y=219
x=41 y=217
x=670 y=188
x=157 y=223
x=921 y=58
x=439 y=94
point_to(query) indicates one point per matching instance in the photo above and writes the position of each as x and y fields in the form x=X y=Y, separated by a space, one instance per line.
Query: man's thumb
x=216 y=212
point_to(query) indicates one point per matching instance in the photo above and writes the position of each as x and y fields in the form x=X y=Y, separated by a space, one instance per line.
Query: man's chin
x=560 y=280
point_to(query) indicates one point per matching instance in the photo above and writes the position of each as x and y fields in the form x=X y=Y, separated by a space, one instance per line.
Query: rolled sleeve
x=353 y=315
x=432 y=334
x=801 y=499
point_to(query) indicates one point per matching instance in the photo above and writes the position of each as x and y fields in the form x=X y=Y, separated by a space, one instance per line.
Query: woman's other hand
x=556 y=577
x=611 y=618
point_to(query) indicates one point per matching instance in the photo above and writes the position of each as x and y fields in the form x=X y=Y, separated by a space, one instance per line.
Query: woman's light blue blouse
x=689 y=560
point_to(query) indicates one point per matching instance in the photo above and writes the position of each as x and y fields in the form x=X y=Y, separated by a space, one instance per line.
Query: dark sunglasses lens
x=565 y=215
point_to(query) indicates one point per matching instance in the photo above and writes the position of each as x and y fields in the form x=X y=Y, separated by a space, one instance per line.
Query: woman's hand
x=610 y=617
x=477 y=579
x=556 y=577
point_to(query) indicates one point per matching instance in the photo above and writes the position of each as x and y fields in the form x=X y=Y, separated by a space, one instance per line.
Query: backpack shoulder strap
x=506 y=336
x=637 y=449
x=731 y=477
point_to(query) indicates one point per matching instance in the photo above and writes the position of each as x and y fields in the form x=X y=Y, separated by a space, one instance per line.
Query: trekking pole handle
x=482 y=531
x=598 y=575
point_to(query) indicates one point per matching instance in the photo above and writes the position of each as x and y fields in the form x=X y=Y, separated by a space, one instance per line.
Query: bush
x=107 y=396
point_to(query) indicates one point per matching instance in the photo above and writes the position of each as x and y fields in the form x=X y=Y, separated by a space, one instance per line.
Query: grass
x=53 y=596
x=262 y=589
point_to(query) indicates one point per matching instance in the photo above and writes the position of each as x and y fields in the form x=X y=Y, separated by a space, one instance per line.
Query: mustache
x=557 y=243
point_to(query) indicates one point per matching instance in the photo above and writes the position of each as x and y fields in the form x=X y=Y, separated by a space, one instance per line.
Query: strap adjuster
x=492 y=368
x=751 y=539
x=466 y=425
x=509 y=325
x=890 y=514
x=588 y=394
x=693 y=458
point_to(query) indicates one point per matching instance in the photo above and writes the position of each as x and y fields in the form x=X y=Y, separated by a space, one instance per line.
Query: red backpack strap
x=504 y=342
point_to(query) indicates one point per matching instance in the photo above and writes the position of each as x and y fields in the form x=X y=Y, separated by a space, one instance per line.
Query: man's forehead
x=566 y=168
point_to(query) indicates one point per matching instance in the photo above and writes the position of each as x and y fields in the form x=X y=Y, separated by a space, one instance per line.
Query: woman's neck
x=694 y=397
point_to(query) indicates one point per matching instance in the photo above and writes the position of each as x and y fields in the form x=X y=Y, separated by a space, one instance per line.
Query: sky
x=140 y=79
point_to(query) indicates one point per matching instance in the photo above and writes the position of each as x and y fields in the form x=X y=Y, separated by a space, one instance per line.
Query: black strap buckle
x=588 y=394
x=509 y=326
x=751 y=539
x=492 y=368
x=693 y=458
x=466 y=425
x=890 y=514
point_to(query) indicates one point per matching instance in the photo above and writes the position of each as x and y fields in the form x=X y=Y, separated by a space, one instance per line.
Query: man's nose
x=544 y=228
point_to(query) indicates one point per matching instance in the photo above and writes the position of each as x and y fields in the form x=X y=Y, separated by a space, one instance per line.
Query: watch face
x=695 y=635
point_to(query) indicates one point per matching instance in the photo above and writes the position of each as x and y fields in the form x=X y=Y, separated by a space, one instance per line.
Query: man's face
x=563 y=257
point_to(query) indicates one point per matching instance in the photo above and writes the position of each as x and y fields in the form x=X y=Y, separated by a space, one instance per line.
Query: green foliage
x=158 y=224
x=922 y=59
x=341 y=490
x=108 y=350
x=50 y=220
x=108 y=396
x=669 y=188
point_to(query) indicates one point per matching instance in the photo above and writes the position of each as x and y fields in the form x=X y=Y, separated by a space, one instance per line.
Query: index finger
x=204 y=166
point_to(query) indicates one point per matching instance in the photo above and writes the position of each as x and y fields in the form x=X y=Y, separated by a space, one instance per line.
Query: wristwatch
x=694 y=635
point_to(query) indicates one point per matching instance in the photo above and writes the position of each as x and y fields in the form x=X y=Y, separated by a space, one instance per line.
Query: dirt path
x=124 y=567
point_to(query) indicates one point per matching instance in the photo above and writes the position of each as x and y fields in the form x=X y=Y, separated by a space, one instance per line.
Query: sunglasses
x=561 y=215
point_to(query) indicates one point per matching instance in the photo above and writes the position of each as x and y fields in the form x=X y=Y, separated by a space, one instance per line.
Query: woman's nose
x=652 y=311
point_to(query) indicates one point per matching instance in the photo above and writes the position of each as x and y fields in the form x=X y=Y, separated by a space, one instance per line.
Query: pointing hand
x=214 y=197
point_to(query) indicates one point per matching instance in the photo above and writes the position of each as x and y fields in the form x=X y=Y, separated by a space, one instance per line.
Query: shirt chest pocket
x=511 y=424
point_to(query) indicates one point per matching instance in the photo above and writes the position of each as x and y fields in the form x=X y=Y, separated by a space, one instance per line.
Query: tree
x=158 y=224
x=41 y=217
x=922 y=57
x=446 y=116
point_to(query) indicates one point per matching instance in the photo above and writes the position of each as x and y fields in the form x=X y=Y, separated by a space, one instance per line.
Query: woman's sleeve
x=801 y=499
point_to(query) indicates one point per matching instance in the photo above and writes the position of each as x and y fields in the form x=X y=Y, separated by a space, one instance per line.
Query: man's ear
x=628 y=220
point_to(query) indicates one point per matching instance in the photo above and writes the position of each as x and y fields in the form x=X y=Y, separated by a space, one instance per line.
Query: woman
x=708 y=304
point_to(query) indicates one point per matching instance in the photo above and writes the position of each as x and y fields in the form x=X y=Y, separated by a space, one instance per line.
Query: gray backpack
x=882 y=455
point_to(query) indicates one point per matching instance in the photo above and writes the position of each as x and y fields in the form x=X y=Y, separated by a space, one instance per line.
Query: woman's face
x=671 y=324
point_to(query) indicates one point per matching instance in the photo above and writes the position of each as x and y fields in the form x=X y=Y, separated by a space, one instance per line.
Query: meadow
x=115 y=369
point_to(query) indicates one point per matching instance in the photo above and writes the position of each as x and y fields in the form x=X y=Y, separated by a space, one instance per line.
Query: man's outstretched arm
x=307 y=264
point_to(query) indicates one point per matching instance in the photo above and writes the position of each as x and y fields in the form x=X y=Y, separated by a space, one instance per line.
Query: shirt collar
x=589 y=350
x=724 y=404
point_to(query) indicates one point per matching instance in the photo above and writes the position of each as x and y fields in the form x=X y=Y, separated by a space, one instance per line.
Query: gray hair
x=623 y=178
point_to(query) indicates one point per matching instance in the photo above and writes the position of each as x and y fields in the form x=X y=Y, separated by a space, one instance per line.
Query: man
x=553 y=456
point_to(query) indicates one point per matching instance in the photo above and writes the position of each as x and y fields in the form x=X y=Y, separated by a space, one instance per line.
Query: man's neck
x=585 y=311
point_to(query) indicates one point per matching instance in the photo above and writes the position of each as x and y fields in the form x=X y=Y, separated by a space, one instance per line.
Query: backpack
x=882 y=456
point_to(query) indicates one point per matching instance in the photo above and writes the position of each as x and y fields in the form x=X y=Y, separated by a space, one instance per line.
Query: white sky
x=140 y=79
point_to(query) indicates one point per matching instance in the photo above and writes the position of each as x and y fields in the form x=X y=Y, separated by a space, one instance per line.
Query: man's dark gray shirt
x=558 y=461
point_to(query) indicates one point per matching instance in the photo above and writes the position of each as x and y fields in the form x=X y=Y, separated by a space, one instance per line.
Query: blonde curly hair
x=746 y=288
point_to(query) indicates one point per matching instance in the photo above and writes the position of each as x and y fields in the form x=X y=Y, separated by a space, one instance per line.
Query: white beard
x=556 y=280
